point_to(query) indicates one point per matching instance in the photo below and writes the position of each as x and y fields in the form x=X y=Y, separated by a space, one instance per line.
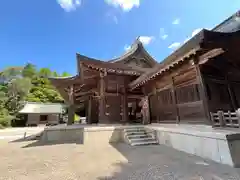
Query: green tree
x=5 y=118
x=65 y=74
x=29 y=70
x=18 y=89
x=43 y=91
x=10 y=73
x=45 y=72
x=55 y=74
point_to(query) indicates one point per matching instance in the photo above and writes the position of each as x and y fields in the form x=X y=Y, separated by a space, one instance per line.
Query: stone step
x=138 y=136
x=141 y=139
x=134 y=129
x=144 y=143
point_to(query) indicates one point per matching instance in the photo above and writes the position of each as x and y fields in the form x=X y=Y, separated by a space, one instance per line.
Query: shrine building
x=200 y=78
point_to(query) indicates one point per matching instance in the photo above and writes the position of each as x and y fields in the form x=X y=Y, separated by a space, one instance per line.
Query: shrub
x=6 y=121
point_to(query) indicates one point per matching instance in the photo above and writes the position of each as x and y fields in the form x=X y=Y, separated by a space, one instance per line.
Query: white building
x=42 y=113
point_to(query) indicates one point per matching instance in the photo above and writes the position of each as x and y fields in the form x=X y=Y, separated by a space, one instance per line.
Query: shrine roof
x=109 y=67
x=59 y=81
x=205 y=39
x=135 y=47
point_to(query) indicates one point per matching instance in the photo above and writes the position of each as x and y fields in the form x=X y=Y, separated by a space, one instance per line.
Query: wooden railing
x=226 y=119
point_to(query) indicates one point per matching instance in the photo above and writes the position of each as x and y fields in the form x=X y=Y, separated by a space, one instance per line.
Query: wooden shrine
x=201 y=77
x=101 y=87
x=191 y=85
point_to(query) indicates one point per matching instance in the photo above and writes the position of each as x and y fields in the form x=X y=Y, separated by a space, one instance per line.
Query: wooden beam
x=102 y=97
x=174 y=95
x=83 y=93
x=135 y=96
x=210 y=54
x=71 y=108
x=89 y=118
x=202 y=91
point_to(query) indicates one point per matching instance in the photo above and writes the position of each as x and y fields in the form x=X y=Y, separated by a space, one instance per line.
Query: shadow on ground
x=39 y=143
x=31 y=137
x=35 y=140
x=161 y=162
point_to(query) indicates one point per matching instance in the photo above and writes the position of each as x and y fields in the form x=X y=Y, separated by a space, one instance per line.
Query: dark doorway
x=134 y=111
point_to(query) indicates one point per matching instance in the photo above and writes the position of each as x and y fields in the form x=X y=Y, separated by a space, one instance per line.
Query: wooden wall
x=176 y=96
x=114 y=99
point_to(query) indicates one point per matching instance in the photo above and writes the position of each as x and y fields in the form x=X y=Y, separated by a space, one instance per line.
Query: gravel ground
x=33 y=161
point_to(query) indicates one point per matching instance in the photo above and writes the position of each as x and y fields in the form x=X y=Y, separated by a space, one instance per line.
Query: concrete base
x=85 y=134
x=222 y=146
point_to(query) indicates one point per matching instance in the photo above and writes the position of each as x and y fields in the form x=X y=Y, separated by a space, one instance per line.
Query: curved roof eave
x=190 y=47
x=64 y=80
x=134 y=48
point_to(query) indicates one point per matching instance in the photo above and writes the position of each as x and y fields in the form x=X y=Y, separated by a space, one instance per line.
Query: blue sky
x=48 y=33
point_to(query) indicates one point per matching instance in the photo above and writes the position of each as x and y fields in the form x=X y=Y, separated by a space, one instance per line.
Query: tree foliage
x=20 y=84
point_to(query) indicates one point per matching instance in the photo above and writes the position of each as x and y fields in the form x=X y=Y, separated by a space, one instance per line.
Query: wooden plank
x=102 y=99
x=125 y=103
x=232 y=97
x=71 y=108
x=191 y=111
x=210 y=54
x=175 y=101
x=203 y=93
x=89 y=112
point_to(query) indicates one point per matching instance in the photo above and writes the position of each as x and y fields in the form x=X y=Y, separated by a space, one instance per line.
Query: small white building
x=42 y=113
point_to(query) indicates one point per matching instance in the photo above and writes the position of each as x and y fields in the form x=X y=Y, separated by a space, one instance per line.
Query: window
x=43 y=118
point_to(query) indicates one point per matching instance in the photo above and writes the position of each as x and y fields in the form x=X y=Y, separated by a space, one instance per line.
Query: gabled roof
x=231 y=24
x=137 y=46
x=118 y=68
x=136 y=49
x=42 y=108
x=191 y=47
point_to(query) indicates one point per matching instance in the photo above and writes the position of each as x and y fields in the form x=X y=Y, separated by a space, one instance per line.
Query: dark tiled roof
x=190 y=47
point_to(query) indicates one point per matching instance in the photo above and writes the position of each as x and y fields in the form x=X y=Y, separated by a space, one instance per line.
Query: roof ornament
x=138 y=40
x=237 y=16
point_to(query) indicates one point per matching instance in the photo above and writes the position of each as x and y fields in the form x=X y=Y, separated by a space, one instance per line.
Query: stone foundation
x=221 y=146
x=84 y=134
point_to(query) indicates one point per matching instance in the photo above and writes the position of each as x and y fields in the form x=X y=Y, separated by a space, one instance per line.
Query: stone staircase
x=137 y=136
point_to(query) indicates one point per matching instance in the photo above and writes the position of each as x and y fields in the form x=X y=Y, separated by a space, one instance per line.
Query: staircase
x=137 y=136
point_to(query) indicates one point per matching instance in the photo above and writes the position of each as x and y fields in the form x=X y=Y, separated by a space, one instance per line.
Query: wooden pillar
x=145 y=108
x=71 y=108
x=102 y=99
x=174 y=95
x=231 y=94
x=154 y=105
x=202 y=92
x=145 y=111
x=89 y=112
x=125 y=108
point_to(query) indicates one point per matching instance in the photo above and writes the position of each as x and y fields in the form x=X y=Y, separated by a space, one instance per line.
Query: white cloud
x=195 y=32
x=165 y=36
x=112 y=17
x=115 y=19
x=162 y=34
x=127 y=47
x=146 y=39
x=176 y=21
x=174 y=45
x=125 y=5
x=69 y=5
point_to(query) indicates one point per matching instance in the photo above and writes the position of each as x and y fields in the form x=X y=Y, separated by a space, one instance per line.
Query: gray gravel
x=33 y=161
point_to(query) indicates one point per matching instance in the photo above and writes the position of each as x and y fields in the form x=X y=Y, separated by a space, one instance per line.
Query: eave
x=204 y=40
